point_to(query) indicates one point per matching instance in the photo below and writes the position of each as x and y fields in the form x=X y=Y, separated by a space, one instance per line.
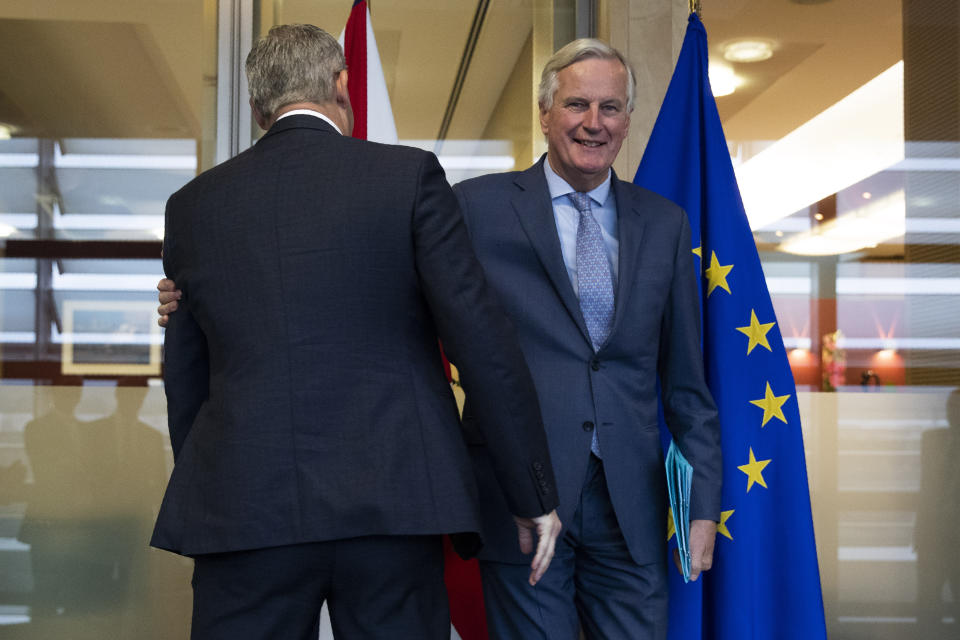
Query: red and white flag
x=373 y=120
x=372 y=115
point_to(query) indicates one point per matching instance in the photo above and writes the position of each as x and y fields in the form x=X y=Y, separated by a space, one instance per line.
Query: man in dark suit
x=598 y=277
x=317 y=449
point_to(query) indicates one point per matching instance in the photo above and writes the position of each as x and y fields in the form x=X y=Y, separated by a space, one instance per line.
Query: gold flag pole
x=695 y=7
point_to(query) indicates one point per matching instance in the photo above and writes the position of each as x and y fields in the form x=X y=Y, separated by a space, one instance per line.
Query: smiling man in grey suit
x=317 y=449
x=598 y=277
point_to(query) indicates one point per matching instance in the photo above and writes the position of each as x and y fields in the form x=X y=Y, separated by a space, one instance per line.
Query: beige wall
x=649 y=33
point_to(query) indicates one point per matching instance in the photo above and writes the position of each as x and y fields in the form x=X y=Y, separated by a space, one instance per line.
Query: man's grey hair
x=293 y=63
x=576 y=51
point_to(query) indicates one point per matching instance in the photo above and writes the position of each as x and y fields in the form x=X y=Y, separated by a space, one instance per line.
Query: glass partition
x=844 y=125
x=461 y=75
x=105 y=110
x=843 y=121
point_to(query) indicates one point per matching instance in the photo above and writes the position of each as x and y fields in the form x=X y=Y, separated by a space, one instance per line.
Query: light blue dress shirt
x=604 y=206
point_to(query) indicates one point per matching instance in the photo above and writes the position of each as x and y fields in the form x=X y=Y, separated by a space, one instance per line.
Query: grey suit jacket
x=655 y=336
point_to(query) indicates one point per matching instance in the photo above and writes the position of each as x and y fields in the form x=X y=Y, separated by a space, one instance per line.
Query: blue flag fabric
x=765 y=582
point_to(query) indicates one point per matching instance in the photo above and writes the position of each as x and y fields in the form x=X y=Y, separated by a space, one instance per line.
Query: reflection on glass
x=79 y=503
x=936 y=538
x=460 y=75
x=846 y=139
x=105 y=110
x=100 y=188
x=108 y=106
x=110 y=338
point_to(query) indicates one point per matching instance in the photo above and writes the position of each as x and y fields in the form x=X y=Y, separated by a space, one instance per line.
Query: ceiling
x=66 y=79
x=133 y=71
x=822 y=52
x=104 y=69
x=138 y=68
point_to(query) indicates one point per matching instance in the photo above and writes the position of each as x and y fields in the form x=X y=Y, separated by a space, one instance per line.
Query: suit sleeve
x=185 y=357
x=689 y=409
x=479 y=339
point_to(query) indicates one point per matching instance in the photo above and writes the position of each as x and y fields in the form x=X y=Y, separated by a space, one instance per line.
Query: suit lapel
x=531 y=202
x=630 y=223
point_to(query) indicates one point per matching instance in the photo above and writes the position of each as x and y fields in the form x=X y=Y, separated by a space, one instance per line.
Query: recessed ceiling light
x=723 y=81
x=748 y=50
x=5 y=131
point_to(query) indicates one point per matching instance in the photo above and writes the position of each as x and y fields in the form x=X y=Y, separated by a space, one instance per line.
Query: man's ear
x=343 y=95
x=343 y=101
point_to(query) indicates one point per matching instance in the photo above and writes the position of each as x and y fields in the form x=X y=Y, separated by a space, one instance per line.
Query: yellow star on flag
x=671 y=528
x=754 y=471
x=772 y=406
x=717 y=274
x=698 y=252
x=757 y=332
x=722 y=525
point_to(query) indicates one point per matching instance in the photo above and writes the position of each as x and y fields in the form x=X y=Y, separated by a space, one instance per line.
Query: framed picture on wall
x=110 y=337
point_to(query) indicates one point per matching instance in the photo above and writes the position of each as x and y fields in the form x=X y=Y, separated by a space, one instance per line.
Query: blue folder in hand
x=679 y=480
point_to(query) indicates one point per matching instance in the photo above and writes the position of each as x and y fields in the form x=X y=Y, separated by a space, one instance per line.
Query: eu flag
x=764 y=582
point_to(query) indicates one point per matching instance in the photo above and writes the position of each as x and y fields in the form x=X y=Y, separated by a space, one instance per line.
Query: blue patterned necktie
x=595 y=281
x=593 y=273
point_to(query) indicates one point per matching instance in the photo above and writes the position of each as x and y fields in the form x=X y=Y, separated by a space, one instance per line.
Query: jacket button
x=595 y=365
x=588 y=426
x=538 y=466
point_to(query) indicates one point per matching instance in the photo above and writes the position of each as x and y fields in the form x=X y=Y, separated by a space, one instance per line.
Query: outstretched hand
x=547 y=528
x=168 y=296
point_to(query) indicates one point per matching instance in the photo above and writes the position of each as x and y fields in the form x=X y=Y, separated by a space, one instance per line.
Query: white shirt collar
x=310 y=112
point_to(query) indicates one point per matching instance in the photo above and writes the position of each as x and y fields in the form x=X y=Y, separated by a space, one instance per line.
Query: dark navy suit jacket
x=306 y=397
x=655 y=333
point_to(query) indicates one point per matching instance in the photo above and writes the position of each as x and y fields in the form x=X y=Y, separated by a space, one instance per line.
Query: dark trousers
x=592 y=583
x=388 y=587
